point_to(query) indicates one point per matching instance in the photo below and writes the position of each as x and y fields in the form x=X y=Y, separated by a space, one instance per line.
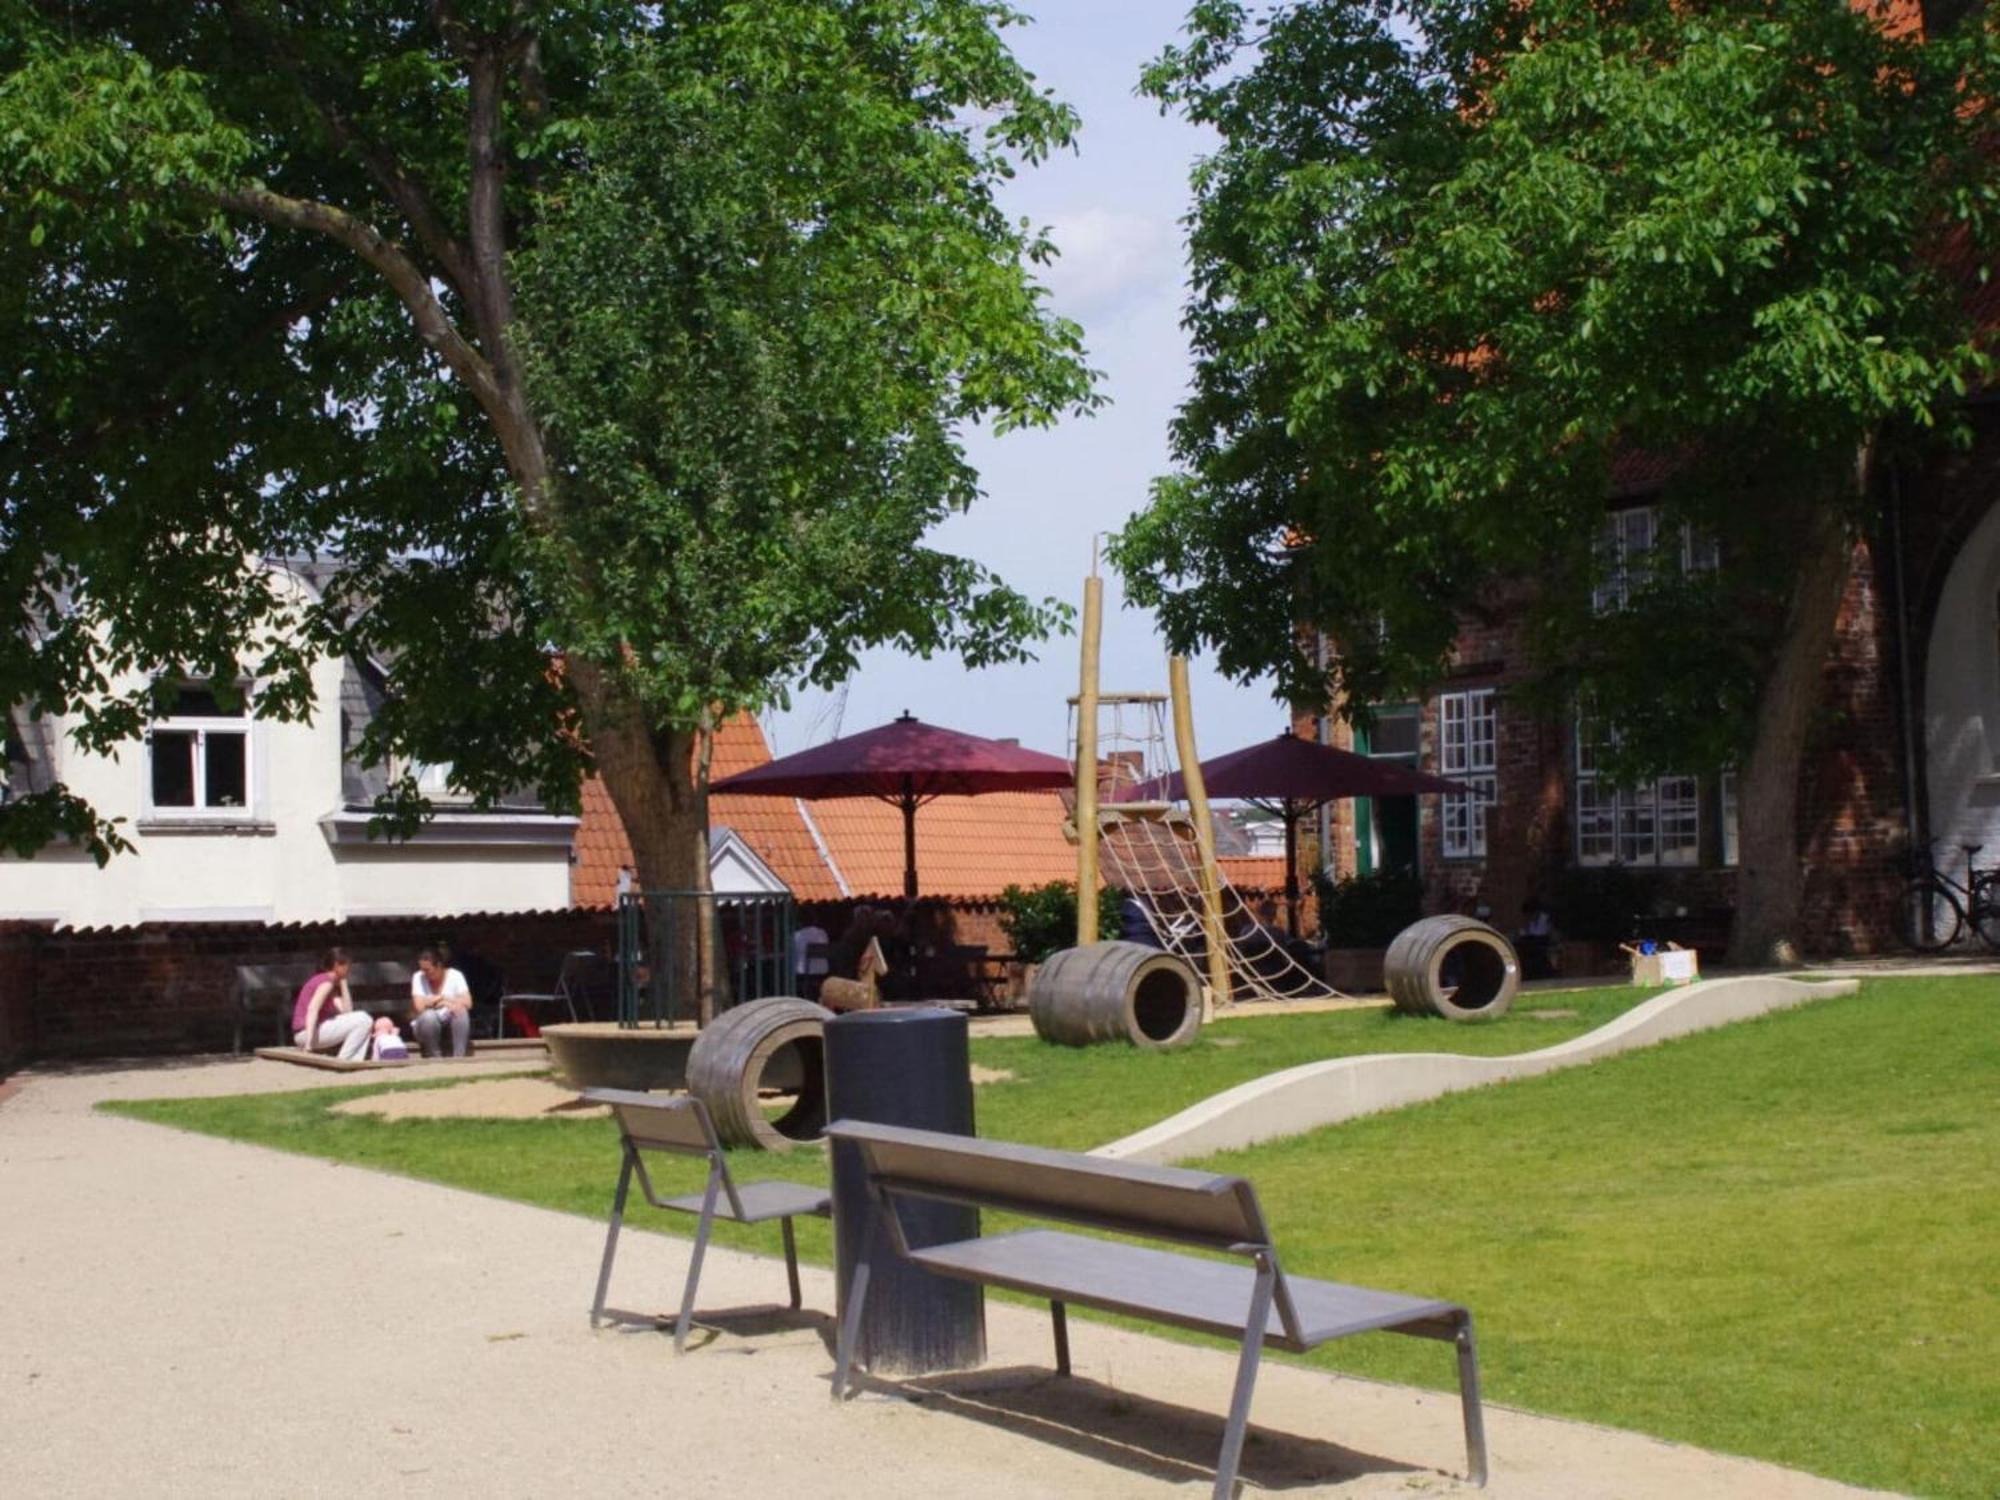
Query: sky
x=1113 y=208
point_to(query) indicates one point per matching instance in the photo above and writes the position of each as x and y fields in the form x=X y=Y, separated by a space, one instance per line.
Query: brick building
x=1906 y=751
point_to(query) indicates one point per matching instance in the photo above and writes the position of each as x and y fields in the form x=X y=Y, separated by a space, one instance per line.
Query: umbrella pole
x=909 y=840
x=1291 y=867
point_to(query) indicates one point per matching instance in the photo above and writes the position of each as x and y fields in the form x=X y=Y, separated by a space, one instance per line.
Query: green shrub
x=1041 y=919
x=1367 y=911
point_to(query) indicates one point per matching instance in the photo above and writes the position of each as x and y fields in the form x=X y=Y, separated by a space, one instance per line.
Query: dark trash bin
x=903 y=1067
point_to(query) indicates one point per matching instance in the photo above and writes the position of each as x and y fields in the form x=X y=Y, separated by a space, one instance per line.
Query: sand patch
x=485 y=1099
x=990 y=1075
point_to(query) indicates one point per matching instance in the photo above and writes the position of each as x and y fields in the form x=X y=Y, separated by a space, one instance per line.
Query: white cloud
x=1110 y=261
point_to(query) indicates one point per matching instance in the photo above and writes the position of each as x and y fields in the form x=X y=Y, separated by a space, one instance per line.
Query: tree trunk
x=658 y=781
x=1770 y=883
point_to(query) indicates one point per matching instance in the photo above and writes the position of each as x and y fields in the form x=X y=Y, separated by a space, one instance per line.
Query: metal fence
x=751 y=937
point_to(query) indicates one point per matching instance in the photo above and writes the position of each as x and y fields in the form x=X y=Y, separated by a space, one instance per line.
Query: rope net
x=1150 y=850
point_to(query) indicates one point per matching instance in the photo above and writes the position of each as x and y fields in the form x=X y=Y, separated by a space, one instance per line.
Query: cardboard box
x=1669 y=966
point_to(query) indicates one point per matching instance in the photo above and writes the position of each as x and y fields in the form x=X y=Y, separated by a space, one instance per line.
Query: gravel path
x=188 y=1316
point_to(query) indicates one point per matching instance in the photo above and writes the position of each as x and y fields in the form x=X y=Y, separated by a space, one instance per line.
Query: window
x=1657 y=822
x=198 y=756
x=1729 y=852
x=1626 y=554
x=1468 y=751
x=433 y=780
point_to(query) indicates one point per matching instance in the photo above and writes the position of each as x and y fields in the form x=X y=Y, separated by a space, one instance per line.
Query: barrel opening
x=1160 y=1003
x=1473 y=974
x=801 y=1063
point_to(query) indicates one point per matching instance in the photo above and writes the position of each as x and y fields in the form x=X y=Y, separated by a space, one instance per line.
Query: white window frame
x=433 y=779
x=1628 y=545
x=1657 y=823
x=1468 y=751
x=204 y=728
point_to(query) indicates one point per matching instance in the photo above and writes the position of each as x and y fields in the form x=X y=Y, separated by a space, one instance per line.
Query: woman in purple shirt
x=324 y=1018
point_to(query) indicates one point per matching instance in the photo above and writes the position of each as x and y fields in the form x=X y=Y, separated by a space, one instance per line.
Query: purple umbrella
x=906 y=764
x=1291 y=777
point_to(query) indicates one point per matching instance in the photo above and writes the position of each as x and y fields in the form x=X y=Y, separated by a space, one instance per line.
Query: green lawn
x=1779 y=1239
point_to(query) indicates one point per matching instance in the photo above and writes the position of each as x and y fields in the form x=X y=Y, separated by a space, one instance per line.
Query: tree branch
x=409 y=195
x=456 y=34
x=405 y=278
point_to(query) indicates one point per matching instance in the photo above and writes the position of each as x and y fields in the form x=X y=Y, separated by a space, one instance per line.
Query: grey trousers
x=430 y=1026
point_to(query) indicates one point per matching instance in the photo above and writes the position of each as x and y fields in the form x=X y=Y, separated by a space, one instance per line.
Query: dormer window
x=198 y=754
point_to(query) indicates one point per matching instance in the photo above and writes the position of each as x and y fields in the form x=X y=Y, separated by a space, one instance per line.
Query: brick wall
x=1853 y=811
x=168 y=988
x=20 y=943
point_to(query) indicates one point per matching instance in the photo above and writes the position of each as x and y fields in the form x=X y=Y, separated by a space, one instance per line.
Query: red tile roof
x=773 y=826
x=968 y=848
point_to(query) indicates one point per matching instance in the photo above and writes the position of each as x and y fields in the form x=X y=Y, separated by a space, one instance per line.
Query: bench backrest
x=1207 y=1209
x=255 y=980
x=676 y=1123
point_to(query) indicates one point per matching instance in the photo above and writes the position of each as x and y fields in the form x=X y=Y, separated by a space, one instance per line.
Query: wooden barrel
x=778 y=1043
x=1453 y=967
x=1116 y=992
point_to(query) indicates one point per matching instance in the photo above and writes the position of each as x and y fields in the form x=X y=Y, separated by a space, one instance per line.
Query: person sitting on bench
x=440 y=1002
x=324 y=1018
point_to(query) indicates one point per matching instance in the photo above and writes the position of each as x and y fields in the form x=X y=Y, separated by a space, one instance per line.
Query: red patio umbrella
x=1291 y=777
x=906 y=764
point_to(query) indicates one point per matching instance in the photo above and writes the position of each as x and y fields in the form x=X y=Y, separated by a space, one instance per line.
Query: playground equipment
x=1160 y=853
x=1106 y=992
x=1453 y=967
x=1311 y=1096
x=777 y=1044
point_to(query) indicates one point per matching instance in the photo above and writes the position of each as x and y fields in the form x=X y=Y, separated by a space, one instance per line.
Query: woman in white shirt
x=440 y=1003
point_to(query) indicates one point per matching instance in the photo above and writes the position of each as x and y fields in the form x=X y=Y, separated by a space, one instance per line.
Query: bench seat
x=1209 y=1296
x=760 y=1202
x=1232 y=1285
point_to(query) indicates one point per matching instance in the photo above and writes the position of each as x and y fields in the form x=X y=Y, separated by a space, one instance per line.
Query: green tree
x=640 y=332
x=1451 y=259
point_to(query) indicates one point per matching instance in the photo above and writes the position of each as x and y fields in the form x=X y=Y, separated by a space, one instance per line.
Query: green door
x=1385 y=828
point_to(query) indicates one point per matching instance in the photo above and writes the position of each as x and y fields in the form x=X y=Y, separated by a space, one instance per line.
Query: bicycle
x=1936 y=909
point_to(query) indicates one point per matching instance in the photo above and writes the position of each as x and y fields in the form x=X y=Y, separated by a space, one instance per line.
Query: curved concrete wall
x=1325 y=1093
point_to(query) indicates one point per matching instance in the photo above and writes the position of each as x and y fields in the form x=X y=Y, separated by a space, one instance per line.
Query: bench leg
x=850 y=1330
x=1246 y=1380
x=694 y=1259
x=1059 y=1316
x=611 y=1237
x=1468 y=1397
x=791 y=1261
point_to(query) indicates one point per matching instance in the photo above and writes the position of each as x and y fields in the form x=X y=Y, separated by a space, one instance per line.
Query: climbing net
x=1150 y=850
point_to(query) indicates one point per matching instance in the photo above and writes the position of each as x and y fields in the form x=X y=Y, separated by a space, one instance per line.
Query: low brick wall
x=20 y=944
x=169 y=988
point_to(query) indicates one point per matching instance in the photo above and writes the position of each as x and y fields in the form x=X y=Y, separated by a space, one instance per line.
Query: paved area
x=187 y=1316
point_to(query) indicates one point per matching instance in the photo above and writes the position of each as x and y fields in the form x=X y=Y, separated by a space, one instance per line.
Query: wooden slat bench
x=1255 y=1303
x=266 y=993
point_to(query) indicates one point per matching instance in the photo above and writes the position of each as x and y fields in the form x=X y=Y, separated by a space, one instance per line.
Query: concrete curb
x=1324 y=1093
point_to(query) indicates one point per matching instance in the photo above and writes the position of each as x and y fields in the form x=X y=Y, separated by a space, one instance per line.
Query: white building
x=235 y=818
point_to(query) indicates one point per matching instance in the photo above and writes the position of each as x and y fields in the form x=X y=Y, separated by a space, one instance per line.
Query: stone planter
x=603 y=1055
x=1355 y=971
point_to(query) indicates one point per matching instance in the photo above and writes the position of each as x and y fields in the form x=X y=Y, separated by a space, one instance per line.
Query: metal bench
x=1256 y=1304
x=680 y=1125
x=267 y=992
